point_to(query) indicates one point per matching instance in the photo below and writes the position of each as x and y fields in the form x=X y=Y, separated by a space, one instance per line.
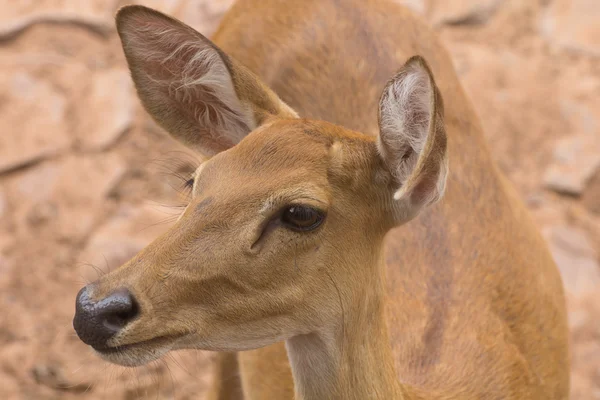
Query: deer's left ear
x=412 y=138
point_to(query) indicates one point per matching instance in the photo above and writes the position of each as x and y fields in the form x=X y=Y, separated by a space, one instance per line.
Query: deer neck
x=351 y=358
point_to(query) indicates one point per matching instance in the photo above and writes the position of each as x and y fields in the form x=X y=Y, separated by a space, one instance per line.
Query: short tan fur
x=425 y=277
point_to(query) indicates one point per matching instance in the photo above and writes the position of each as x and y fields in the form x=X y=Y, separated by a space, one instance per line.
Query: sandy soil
x=86 y=179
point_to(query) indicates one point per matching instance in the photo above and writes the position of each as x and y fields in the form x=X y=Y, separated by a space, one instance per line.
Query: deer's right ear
x=202 y=97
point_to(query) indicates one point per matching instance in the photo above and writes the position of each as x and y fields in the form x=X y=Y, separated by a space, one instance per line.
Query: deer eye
x=301 y=218
x=189 y=184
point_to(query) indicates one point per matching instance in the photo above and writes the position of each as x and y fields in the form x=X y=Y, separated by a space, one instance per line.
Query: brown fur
x=465 y=302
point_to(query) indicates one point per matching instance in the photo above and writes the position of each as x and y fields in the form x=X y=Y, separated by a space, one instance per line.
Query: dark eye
x=302 y=218
x=189 y=183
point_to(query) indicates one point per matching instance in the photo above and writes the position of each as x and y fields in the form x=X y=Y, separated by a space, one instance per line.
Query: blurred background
x=87 y=179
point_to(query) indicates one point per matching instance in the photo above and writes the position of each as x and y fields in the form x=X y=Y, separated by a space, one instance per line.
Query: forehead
x=281 y=150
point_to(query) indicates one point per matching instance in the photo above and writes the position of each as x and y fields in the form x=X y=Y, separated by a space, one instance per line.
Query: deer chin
x=138 y=353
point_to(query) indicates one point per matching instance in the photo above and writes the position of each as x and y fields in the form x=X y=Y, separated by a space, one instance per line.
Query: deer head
x=287 y=215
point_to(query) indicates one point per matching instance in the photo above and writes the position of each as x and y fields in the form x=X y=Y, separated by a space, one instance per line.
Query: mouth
x=138 y=353
x=158 y=341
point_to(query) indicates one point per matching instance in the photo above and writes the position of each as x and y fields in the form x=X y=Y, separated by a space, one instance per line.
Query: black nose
x=96 y=322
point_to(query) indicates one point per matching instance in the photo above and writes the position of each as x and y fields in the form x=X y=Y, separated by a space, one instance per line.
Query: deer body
x=463 y=301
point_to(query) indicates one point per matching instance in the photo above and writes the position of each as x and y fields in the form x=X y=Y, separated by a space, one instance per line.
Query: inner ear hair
x=195 y=91
x=412 y=140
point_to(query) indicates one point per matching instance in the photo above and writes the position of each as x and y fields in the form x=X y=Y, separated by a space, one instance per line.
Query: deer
x=348 y=234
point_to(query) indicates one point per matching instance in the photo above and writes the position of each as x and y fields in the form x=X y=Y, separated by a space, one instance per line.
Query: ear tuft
x=412 y=139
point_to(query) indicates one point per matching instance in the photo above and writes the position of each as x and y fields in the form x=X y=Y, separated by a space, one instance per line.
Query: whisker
x=172 y=357
x=164 y=221
x=106 y=264
x=161 y=206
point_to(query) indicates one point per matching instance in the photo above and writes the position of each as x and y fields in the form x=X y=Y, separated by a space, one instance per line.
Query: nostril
x=120 y=312
x=118 y=309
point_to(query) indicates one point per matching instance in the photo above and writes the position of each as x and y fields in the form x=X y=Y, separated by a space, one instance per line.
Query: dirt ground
x=86 y=179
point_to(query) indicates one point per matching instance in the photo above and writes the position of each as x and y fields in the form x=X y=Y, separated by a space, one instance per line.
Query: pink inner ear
x=405 y=115
x=183 y=81
x=426 y=190
x=154 y=44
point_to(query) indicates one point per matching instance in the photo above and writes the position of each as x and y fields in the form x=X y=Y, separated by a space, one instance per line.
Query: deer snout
x=97 y=321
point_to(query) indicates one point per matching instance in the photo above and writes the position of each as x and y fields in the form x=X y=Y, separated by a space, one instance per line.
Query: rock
x=16 y=350
x=204 y=15
x=13 y=28
x=75 y=9
x=2 y=204
x=576 y=159
x=578 y=319
x=37 y=183
x=166 y=6
x=579 y=113
x=53 y=377
x=576 y=259
x=418 y=6
x=573 y=24
x=499 y=81
x=591 y=196
x=9 y=385
x=69 y=193
x=535 y=200
x=85 y=184
x=582 y=386
x=108 y=110
x=463 y=12
x=124 y=235
x=6 y=266
x=26 y=7
x=32 y=120
x=41 y=213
